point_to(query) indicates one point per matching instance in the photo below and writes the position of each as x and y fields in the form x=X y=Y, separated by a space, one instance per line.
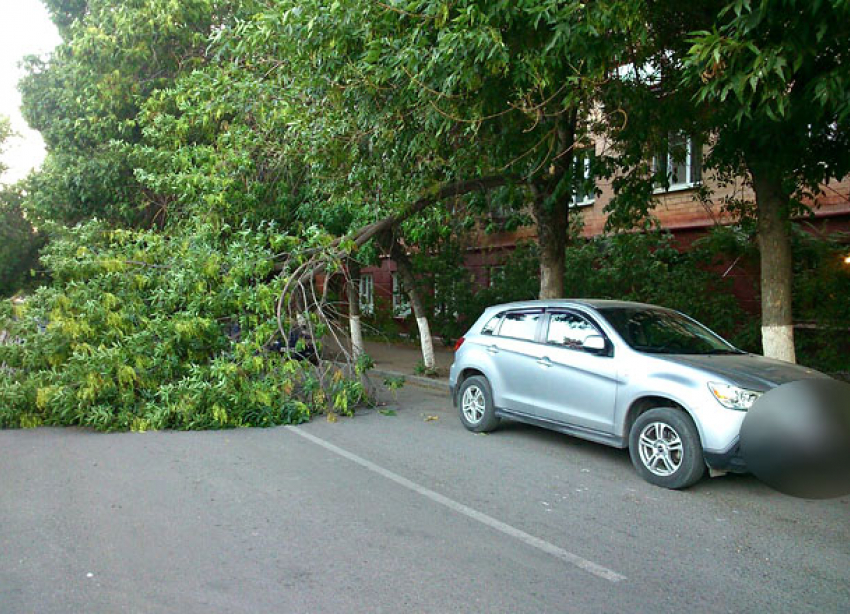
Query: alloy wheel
x=473 y=404
x=660 y=449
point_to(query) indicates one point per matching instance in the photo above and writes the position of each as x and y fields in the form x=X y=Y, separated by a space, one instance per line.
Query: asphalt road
x=404 y=513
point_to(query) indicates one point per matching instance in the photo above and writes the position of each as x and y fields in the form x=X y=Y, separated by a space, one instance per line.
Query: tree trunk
x=405 y=269
x=354 y=324
x=777 y=320
x=552 y=226
x=551 y=209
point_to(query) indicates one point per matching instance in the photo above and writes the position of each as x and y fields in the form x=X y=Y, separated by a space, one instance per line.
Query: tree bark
x=405 y=269
x=551 y=209
x=774 y=241
x=353 y=290
x=552 y=228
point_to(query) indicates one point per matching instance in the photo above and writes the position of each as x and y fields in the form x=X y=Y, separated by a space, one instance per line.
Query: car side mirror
x=595 y=344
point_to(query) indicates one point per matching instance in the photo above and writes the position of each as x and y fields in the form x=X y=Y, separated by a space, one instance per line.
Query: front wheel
x=475 y=405
x=665 y=448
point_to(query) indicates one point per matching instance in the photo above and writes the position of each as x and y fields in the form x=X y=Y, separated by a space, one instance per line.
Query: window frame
x=529 y=311
x=401 y=302
x=495 y=332
x=585 y=156
x=366 y=288
x=544 y=333
x=693 y=150
x=440 y=307
x=493 y=272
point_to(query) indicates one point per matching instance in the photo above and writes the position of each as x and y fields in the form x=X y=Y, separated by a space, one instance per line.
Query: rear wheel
x=665 y=448
x=475 y=405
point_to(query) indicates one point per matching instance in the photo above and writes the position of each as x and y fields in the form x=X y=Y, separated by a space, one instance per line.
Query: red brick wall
x=679 y=211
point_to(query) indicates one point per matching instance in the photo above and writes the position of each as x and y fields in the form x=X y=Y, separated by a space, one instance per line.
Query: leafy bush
x=141 y=330
x=457 y=299
x=645 y=267
x=648 y=267
x=822 y=302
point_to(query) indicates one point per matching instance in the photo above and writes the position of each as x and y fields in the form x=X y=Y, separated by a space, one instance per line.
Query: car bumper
x=453 y=371
x=727 y=460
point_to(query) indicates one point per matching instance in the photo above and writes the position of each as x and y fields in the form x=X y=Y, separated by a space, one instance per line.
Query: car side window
x=569 y=330
x=520 y=325
x=492 y=325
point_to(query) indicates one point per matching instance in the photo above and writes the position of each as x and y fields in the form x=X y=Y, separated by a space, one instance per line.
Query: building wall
x=679 y=211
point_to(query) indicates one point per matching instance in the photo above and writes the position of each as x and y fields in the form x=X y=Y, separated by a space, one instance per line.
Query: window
x=681 y=164
x=443 y=298
x=492 y=325
x=584 y=186
x=648 y=74
x=367 y=294
x=659 y=331
x=569 y=330
x=401 y=304
x=520 y=325
x=496 y=273
x=500 y=211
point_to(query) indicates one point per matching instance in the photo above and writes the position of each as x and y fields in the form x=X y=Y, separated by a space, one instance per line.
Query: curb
x=440 y=385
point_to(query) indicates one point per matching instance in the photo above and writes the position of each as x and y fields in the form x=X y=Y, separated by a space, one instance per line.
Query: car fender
x=675 y=391
x=476 y=357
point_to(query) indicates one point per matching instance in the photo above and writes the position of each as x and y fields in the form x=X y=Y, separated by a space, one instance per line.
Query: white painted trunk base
x=356 y=336
x=778 y=342
x=427 y=343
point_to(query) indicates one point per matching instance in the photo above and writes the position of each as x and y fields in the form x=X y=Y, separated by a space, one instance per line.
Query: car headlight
x=733 y=397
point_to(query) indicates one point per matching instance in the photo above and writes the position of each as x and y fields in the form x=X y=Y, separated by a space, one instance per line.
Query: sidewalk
x=400 y=359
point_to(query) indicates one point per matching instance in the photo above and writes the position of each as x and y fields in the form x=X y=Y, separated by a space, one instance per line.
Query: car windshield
x=659 y=331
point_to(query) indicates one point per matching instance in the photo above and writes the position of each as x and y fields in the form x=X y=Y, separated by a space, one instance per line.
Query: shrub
x=644 y=267
x=648 y=267
x=822 y=302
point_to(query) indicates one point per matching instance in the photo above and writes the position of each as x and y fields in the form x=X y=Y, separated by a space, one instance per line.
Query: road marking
x=531 y=540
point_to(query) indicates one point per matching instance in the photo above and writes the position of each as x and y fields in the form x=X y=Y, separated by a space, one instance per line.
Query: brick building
x=677 y=209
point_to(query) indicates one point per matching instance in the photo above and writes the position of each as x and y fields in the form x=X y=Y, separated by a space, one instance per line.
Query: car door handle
x=545 y=362
x=493 y=349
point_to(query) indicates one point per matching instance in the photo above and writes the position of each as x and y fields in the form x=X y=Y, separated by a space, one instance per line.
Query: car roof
x=595 y=303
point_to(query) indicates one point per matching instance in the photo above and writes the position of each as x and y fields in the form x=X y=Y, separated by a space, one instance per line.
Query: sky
x=25 y=28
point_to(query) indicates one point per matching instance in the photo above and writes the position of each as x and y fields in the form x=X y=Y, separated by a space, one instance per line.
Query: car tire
x=475 y=405
x=665 y=448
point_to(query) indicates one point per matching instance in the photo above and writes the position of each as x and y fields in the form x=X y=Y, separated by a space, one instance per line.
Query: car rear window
x=492 y=325
x=520 y=325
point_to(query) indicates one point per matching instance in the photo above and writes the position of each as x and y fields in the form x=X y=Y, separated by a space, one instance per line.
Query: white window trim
x=401 y=303
x=367 y=294
x=493 y=273
x=588 y=200
x=438 y=308
x=689 y=184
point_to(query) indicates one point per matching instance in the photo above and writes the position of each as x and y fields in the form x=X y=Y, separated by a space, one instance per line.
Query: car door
x=581 y=385
x=515 y=353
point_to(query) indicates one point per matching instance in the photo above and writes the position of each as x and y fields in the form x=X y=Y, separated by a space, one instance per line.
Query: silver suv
x=624 y=374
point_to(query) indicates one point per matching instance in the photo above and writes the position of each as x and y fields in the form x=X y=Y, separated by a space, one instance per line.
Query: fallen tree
x=301 y=270
x=145 y=330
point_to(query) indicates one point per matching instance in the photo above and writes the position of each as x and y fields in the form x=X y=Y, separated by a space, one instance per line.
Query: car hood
x=748 y=370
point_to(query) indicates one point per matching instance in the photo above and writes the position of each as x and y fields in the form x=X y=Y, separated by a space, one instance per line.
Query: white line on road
x=535 y=542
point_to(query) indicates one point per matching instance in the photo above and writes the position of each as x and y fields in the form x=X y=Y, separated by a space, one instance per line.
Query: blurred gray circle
x=796 y=438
